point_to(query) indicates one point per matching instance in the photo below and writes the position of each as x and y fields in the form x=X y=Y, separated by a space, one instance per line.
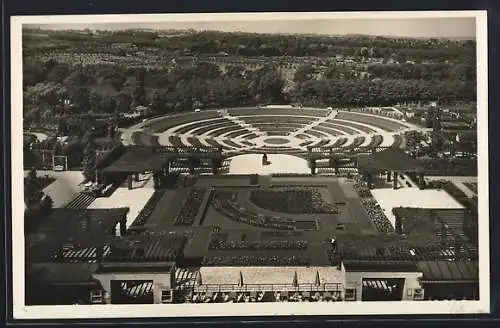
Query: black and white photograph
x=245 y=164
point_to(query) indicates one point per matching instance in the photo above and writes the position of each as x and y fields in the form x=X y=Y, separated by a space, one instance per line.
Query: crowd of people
x=292 y=199
x=148 y=209
x=190 y=207
x=219 y=241
x=235 y=212
x=255 y=261
x=225 y=203
x=371 y=206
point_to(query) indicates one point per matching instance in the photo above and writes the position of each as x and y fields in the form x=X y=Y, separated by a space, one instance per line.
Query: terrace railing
x=310 y=287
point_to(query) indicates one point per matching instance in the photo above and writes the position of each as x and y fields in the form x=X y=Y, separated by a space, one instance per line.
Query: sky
x=450 y=27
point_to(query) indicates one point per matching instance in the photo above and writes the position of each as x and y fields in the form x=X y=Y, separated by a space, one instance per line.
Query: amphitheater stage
x=412 y=197
x=278 y=163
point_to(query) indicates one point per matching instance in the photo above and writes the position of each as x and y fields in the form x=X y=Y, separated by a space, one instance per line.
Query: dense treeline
x=382 y=92
x=248 y=44
x=53 y=89
x=104 y=89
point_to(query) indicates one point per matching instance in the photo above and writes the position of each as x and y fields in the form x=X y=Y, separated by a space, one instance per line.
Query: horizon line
x=311 y=34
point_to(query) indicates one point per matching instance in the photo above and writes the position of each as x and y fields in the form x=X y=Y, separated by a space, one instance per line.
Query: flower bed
x=148 y=209
x=219 y=241
x=190 y=207
x=224 y=203
x=282 y=233
x=255 y=261
x=372 y=208
x=449 y=167
x=292 y=199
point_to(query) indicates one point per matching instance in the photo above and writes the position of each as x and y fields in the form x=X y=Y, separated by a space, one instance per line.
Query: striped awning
x=138 y=289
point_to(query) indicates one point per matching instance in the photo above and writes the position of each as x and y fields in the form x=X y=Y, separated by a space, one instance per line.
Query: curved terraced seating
x=220 y=131
x=210 y=127
x=358 y=141
x=279 y=111
x=375 y=141
x=246 y=129
x=198 y=124
x=379 y=122
x=250 y=136
x=231 y=143
x=278 y=133
x=277 y=149
x=278 y=119
x=164 y=123
x=246 y=143
x=317 y=134
x=279 y=129
x=306 y=143
x=277 y=124
x=195 y=142
x=214 y=143
x=339 y=142
x=352 y=125
x=176 y=141
x=340 y=127
x=320 y=143
x=329 y=131
x=237 y=133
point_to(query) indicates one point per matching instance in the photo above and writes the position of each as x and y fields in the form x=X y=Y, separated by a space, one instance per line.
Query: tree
x=62 y=127
x=267 y=85
x=139 y=94
x=304 y=73
x=47 y=204
x=89 y=161
x=123 y=103
x=32 y=192
x=95 y=101
x=234 y=71
x=81 y=99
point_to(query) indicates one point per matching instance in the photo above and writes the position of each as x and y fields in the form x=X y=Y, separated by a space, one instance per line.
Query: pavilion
x=139 y=159
x=391 y=160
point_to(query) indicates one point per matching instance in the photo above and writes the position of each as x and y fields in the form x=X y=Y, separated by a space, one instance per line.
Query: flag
x=240 y=282
x=295 y=281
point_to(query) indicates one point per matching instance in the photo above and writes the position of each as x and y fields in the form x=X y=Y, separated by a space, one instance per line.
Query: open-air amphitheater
x=268 y=231
x=274 y=130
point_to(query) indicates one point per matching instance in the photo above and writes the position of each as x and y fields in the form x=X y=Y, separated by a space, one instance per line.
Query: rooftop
x=438 y=271
x=66 y=224
x=269 y=275
x=60 y=273
x=393 y=159
x=380 y=266
x=143 y=267
x=137 y=159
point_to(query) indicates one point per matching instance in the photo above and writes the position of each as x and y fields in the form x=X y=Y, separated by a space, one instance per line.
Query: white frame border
x=20 y=311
